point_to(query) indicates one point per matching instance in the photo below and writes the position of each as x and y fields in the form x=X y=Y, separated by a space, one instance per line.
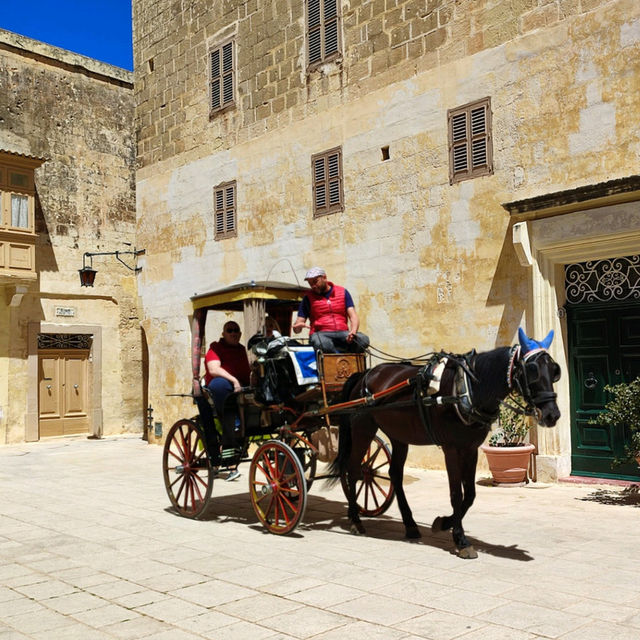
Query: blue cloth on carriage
x=304 y=364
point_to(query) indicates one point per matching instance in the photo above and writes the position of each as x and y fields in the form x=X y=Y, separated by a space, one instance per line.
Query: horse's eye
x=555 y=372
x=533 y=373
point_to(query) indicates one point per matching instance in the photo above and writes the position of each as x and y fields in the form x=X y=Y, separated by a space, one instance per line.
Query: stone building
x=70 y=357
x=446 y=160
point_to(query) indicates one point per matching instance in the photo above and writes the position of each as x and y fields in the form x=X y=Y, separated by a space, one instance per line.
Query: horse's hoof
x=436 y=527
x=412 y=533
x=357 y=529
x=468 y=553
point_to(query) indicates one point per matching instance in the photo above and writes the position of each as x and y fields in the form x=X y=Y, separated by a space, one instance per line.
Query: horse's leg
x=396 y=472
x=461 y=470
x=363 y=429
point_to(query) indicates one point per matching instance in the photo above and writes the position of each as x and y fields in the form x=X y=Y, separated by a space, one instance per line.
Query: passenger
x=226 y=365
x=332 y=315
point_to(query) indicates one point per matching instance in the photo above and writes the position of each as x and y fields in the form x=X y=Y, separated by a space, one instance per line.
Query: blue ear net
x=529 y=344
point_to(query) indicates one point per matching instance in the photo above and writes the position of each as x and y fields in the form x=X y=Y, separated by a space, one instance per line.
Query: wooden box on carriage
x=337 y=367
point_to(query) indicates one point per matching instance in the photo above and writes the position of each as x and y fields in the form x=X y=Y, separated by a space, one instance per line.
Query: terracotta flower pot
x=508 y=464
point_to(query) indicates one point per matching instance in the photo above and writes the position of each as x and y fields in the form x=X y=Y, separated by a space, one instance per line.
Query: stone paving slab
x=90 y=548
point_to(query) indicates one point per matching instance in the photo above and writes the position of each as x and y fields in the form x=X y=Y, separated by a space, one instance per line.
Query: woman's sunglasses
x=232 y=330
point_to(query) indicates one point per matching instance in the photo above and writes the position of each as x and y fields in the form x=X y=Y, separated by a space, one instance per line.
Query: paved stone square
x=90 y=549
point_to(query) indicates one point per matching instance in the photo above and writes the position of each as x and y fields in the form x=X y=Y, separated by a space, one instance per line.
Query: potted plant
x=508 y=453
x=624 y=409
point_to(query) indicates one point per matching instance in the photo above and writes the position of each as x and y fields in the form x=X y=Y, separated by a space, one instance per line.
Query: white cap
x=314 y=272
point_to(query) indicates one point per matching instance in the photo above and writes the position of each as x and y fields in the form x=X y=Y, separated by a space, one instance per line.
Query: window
x=323 y=23
x=221 y=77
x=326 y=169
x=470 y=146
x=224 y=203
x=19 y=211
x=16 y=198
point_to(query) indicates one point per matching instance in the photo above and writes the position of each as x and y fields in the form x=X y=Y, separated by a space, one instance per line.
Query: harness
x=521 y=373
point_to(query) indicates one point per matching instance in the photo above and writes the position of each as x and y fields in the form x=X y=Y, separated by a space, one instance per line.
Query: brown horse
x=455 y=418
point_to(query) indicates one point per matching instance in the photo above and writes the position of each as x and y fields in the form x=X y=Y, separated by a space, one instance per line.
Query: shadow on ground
x=331 y=515
x=629 y=496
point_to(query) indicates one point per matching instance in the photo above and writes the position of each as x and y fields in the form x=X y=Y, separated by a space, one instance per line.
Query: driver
x=226 y=365
x=332 y=315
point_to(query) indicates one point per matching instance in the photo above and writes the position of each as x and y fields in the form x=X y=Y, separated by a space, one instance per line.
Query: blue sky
x=98 y=29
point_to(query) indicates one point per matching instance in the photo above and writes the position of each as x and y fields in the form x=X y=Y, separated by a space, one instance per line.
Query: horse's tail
x=337 y=467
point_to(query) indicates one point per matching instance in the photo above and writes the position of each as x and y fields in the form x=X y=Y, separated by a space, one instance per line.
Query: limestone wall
x=77 y=114
x=431 y=265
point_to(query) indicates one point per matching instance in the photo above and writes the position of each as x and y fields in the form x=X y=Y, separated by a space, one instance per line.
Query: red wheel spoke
x=270 y=473
x=198 y=479
x=382 y=491
x=371 y=491
x=285 y=500
x=178 y=458
x=182 y=485
x=283 y=510
x=183 y=447
x=178 y=479
x=288 y=478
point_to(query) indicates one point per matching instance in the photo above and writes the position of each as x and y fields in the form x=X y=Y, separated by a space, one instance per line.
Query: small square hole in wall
x=150 y=65
x=385 y=153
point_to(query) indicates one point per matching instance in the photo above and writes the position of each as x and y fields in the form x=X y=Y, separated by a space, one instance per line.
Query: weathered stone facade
x=431 y=264
x=75 y=116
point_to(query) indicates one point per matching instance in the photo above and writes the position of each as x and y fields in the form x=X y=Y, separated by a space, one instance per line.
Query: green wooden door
x=604 y=348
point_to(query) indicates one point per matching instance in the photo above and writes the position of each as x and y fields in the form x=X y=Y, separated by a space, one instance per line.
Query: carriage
x=286 y=417
x=298 y=396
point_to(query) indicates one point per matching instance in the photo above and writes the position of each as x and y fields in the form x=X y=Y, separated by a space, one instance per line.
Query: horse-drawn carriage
x=281 y=425
x=447 y=399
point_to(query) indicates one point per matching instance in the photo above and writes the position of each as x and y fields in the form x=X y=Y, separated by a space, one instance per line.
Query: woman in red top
x=226 y=365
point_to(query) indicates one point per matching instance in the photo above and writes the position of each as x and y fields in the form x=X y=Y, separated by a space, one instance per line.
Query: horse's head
x=534 y=374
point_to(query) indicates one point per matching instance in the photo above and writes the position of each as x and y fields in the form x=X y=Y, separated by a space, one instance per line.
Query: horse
x=457 y=417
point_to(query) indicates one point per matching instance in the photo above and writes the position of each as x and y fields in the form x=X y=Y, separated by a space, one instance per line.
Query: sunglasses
x=232 y=330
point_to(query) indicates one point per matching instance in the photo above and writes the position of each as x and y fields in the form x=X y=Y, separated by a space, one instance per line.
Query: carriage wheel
x=374 y=491
x=277 y=486
x=188 y=476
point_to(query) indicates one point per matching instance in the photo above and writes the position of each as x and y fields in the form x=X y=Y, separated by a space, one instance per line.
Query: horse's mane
x=490 y=368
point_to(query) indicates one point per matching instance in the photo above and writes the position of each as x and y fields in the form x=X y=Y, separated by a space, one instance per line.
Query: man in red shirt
x=332 y=315
x=226 y=365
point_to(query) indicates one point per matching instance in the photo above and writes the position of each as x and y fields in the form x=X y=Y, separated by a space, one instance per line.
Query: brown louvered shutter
x=227 y=73
x=230 y=209
x=459 y=136
x=323 y=27
x=219 y=212
x=224 y=203
x=478 y=137
x=315 y=32
x=470 y=148
x=216 y=80
x=320 y=184
x=330 y=27
x=327 y=182
x=222 y=76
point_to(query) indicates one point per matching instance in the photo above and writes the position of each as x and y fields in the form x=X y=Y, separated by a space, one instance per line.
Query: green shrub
x=623 y=409
x=512 y=428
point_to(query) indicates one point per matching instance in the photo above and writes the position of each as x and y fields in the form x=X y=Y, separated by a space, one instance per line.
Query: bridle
x=523 y=372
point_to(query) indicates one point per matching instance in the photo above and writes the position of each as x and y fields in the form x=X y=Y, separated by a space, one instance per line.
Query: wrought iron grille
x=64 y=340
x=603 y=280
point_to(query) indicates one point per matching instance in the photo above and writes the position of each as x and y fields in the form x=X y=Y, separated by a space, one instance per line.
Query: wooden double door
x=604 y=349
x=63 y=376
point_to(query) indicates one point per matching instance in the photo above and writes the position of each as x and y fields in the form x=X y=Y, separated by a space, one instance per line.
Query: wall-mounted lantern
x=88 y=273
